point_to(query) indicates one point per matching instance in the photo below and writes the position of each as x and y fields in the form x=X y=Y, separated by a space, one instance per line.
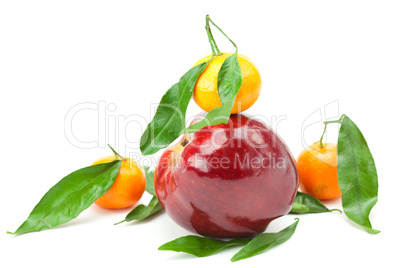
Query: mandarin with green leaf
x=128 y=187
x=206 y=89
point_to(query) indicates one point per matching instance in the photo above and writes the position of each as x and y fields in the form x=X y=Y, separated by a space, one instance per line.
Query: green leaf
x=169 y=119
x=229 y=79
x=70 y=196
x=264 y=241
x=219 y=115
x=298 y=208
x=305 y=203
x=141 y=212
x=150 y=184
x=201 y=246
x=357 y=175
x=229 y=82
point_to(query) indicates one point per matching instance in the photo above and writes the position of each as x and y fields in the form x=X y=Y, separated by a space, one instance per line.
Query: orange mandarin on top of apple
x=206 y=89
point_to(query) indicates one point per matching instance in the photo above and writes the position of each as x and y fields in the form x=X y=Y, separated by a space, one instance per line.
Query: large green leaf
x=169 y=119
x=70 y=196
x=357 y=175
x=201 y=246
x=264 y=241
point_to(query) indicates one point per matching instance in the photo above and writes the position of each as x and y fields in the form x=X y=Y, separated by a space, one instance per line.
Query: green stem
x=116 y=154
x=339 y=121
x=333 y=121
x=322 y=136
x=211 y=39
x=218 y=52
x=335 y=209
x=208 y=18
x=208 y=29
x=120 y=222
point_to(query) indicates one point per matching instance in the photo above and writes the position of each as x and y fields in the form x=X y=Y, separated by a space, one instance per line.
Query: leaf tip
x=117 y=223
x=371 y=230
x=162 y=247
x=236 y=258
x=116 y=154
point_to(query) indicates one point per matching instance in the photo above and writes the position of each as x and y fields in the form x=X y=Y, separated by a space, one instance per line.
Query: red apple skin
x=209 y=187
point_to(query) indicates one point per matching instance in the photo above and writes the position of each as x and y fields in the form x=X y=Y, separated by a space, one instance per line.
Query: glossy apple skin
x=218 y=184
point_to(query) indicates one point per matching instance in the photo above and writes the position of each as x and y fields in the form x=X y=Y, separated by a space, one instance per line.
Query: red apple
x=228 y=180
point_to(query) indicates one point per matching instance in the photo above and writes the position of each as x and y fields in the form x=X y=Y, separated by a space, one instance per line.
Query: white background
x=123 y=55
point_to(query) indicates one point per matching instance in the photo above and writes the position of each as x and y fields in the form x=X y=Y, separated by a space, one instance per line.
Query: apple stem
x=184 y=142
